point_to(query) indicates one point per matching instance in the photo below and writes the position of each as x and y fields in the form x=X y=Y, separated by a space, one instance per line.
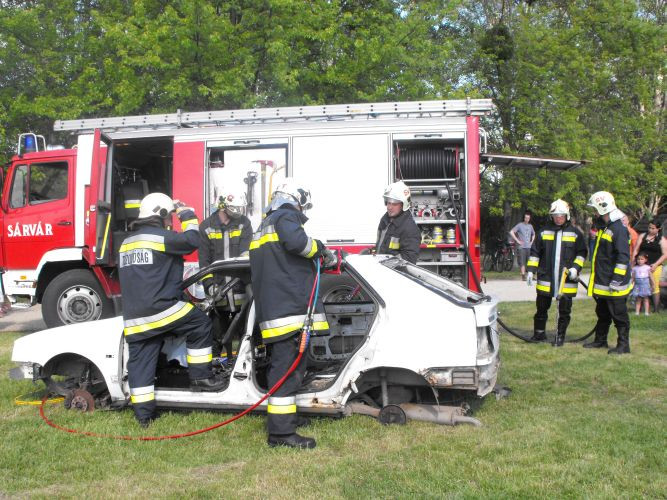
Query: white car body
x=424 y=331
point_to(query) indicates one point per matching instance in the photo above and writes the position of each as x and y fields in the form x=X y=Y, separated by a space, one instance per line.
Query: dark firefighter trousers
x=543 y=303
x=281 y=410
x=608 y=310
x=142 y=363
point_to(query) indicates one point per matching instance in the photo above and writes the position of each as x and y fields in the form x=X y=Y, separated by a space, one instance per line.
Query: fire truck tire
x=74 y=297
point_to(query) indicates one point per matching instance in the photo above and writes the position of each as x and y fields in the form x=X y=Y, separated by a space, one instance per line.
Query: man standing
x=151 y=272
x=610 y=274
x=282 y=263
x=557 y=256
x=524 y=235
x=225 y=234
x=397 y=233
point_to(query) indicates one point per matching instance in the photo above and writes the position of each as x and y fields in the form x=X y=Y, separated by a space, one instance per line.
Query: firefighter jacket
x=556 y=248
x=282 y=263
x=399 y=236
x=151 y=272
x=610 y=273
x=224 y=241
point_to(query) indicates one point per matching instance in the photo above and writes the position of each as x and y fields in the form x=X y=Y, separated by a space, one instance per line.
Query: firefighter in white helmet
x=225 y=234
x=556 y=258
x=151 y=272
x=610 y=281
x=282 y=262
x=397 y=232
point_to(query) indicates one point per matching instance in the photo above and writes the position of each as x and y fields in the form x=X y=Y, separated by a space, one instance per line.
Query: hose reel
x=428 y=163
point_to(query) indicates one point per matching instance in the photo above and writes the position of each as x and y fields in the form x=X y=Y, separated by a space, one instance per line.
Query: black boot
x=538 y=336
x=147 y=421
x=600 y=341
x=291 y=441
x=623 y=344
x=215 y=383
x=559 y=340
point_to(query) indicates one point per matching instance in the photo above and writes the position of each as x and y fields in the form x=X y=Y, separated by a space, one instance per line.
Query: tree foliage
x=583 y=78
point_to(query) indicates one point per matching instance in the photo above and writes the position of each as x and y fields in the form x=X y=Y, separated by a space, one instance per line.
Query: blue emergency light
x=29 y=143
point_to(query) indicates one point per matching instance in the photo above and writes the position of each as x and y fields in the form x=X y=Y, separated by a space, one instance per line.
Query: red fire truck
x=65 y=211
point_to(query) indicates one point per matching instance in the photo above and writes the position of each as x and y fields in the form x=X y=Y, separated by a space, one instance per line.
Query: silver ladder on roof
x=408 y=109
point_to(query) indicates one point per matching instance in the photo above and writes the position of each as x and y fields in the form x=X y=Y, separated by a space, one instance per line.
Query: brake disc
x=392 y=414
x=81 y=400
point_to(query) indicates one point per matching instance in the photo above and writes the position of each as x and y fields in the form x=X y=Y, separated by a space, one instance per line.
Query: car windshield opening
x=433 y=281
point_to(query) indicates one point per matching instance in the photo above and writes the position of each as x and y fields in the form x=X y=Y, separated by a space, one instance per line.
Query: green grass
x=578 y=423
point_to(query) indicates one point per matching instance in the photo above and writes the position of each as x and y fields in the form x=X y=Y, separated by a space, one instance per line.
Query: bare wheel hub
x=78 y=304
x=82 y=400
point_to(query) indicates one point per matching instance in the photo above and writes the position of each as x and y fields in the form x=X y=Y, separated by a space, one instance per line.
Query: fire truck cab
x=64 y=212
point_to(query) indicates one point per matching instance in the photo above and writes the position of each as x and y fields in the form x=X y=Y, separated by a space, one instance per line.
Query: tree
x=584 y=79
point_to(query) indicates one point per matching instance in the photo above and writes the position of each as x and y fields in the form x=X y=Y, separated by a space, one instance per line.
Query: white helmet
x=398 y=192
x=603 y=202
x=290 y=192
x=560 y=207
x=233 y=203
x=156 y=204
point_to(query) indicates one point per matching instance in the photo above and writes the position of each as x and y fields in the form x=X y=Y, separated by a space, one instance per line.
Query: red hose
x=302 y=348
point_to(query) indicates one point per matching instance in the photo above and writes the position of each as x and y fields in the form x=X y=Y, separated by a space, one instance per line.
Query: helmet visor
x=235 y=210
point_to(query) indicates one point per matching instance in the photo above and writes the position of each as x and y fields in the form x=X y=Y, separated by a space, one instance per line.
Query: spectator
x=524 y=235
x=655 y=247
x=643 y=283
x=633 y=236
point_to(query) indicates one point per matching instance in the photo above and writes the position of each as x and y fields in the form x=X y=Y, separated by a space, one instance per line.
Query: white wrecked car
x=402 y=341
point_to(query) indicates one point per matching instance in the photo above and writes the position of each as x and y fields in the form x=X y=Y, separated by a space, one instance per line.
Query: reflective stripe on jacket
x=283 y=273
x=611 y=262
x=150 y=269
x=399 y=236
x=556 y=248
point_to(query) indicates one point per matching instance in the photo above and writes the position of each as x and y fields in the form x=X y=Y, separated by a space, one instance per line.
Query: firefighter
x=150 y=272
x=225 y=234
x=282 y=262
x=556 y=257
x=397 y=233
x=610 y=281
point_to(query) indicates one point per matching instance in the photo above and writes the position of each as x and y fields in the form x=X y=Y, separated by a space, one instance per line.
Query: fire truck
x=64 y=212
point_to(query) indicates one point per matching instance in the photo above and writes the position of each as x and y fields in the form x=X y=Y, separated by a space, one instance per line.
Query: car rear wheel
x=340 y=288
x=74 y=297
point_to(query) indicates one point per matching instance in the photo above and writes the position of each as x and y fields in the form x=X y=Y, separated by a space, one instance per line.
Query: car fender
x=99 y=342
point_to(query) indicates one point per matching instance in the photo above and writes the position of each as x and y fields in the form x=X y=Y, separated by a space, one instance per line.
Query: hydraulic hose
x=305 y=337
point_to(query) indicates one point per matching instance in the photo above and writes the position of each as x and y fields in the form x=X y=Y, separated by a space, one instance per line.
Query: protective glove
x=615 y=286
x=179 y=206
x=329 y=259
x=212 y=290
x=529 y=278
x=321 y=247
x=572 y=273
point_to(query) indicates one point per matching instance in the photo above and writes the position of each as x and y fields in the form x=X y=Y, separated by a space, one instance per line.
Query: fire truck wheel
x=74 y=297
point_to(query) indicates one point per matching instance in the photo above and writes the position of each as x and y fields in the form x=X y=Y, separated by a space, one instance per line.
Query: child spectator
x=643 y=281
